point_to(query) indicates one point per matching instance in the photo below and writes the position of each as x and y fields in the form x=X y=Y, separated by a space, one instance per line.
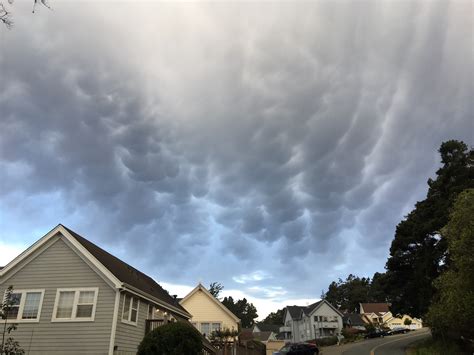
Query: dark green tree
x=215 y=289
x=347 y=294
x=171 y=339
x=418 y=253
x=452 y=311
x=242 y=309
x=275 y=318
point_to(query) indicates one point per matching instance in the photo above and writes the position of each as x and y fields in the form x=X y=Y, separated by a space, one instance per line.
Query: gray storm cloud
x=273 y=138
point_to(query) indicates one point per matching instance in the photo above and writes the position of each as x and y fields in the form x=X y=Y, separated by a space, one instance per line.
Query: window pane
x=126 y=307
x=32 y=302
x=216 y=326
x=86 y=297
x=133 y=316
x=205 y=328
x=66 y=300
x=84 y=311
x=12 y=312
x=135 y=303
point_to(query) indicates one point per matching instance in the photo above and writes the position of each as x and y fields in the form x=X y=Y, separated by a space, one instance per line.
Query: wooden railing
x=151 y=324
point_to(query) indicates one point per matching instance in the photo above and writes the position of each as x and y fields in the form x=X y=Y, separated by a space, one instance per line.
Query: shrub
x=327 y=341
x=171 y=339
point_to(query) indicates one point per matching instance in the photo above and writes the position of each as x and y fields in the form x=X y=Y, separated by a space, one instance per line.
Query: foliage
x=452 y=312
x=327 y=341
x=275 y=318
x=435 y=347
x=407 y=321
x=369 y=327
x=418 y=253
x=242 y=309
x=9 y=346
x=171 y=339
x=220 y=338
x=215 y=289
x=5 y=13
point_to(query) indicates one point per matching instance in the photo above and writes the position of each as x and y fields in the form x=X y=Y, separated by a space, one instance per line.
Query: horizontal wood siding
x=58 y=266
x=128 y=336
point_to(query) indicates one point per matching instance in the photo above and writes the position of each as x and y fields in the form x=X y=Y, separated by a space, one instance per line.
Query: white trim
x=74 y=317
x=114 y=323
x=216 y=301
x=129 y=321
x=150 y=298
x=21 y=307
x=63 y=231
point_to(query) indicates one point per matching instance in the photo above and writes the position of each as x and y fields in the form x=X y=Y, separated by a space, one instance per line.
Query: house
x=404 y=321
x=380 y=315
x=354 y=321
x=208 y=314
x=265 y=333
x=72 y=297
x=375 y=313
x=318 y=320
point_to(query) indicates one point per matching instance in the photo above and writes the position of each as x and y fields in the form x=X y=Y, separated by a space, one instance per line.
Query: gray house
x=73 y=297
x=318 y=320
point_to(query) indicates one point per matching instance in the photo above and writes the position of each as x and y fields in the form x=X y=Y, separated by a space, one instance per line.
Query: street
x=392 y=345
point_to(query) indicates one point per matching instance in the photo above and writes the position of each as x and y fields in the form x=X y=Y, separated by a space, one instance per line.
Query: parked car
x=377 y=333
x=398 y=330
x=298 y=349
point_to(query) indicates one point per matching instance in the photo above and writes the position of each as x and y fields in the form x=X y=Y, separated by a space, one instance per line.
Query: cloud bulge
x=270 y=147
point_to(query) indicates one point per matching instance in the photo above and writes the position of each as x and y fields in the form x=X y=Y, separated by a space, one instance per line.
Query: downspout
x=114 y=321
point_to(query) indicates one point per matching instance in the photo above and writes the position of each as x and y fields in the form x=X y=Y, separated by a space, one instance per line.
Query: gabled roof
x=126 y=273
x=201 y=288
x=268 y=327
x=377 y=308
x=297 y=311
x=354 y=319
x=120 y=274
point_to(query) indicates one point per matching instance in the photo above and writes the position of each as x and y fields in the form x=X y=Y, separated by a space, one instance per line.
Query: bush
x=327 y=341
x=171 y=339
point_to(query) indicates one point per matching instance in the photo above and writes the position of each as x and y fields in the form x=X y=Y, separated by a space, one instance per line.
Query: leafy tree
x=242 y=309
x=418 y=253
x=347 y=294
x=9 y=346
x=407 y=321
x=171 y=339
x=452 y=312
x=6 y=16
x=275 y=318
x=215 y=289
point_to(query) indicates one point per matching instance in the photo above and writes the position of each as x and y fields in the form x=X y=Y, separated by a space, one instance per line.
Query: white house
x=318 y=320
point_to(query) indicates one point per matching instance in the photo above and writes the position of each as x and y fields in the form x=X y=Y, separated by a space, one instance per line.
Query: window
x=26 y=305
x=215 y=327
x=75 y=305
x=205 y=329
x=130 y=309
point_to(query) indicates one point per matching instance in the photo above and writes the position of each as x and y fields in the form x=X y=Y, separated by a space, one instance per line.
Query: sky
x=272 y=147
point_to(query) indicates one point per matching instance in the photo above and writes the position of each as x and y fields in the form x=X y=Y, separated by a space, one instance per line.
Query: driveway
x=392 y=345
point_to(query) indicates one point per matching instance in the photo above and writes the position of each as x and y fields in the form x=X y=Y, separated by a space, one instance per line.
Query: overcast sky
x=271 y=147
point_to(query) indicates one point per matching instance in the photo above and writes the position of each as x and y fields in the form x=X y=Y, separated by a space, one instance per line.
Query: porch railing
x=152 y=324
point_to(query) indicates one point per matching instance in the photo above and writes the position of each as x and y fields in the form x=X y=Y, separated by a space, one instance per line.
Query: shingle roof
x=126 y=273
x=295 y=311
x=354 y=319
x=262 y=336
x=268 y=327
x=376 y=307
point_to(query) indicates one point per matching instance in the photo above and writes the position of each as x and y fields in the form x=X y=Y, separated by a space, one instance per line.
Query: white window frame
x=128 y=321
x=75 y=304
x=22 y=306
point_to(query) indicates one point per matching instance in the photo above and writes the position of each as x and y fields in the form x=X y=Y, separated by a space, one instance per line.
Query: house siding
x=128 y=336
x=204 y=309
x=57 y=265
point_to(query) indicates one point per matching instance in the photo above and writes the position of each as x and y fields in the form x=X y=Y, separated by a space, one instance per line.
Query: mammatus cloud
x=268 y=147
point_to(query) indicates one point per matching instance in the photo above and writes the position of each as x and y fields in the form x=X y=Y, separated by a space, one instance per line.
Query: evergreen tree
x=452 y=312
x=275 y=318
x=418 y=253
